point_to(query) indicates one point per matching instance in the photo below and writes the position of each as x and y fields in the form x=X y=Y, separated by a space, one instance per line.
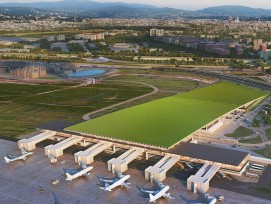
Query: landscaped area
x=23 y=108
x=265 y=152
x=268 y=133
x=166 y=121
x=254 y=140
x=240 y=132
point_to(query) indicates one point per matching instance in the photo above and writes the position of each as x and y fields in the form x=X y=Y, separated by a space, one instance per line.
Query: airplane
x=11 y=158
x=110 y=184
x=159 y=191
x=207 y=198
x=84 y=170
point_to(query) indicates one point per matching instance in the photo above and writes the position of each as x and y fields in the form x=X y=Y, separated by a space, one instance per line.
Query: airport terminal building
x=163 y=127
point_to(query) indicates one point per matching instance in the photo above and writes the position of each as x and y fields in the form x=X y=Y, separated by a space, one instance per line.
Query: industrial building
x=90 y=36
x=30 y=72
x=156 y=32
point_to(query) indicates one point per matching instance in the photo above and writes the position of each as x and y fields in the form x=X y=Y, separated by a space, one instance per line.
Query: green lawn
x=9 y=91
x=240 y=132
x=21 y=111
x=255 y=140
x=166 y=121
x=265 y=152
x=162 y=82
x=268 y=133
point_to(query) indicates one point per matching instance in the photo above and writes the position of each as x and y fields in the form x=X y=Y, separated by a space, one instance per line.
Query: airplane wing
x=110 y=181
x=9 y=156
x=71 y=171
x=125 y=184
x=105 y=182
x=148 y=191
x=119 y=174
x=157 y=184
x=83 y=166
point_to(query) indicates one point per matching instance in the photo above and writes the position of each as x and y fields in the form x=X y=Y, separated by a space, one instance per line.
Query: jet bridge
x=159 y=170
x=121 y=163
x=57 y=149
x=87 y=156
x=30 y=143
x=201 y=180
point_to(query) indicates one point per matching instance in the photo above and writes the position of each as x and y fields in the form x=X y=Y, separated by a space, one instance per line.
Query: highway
x=234 y=78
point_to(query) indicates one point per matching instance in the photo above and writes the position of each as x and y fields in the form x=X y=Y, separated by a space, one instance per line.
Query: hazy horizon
x=181 y=4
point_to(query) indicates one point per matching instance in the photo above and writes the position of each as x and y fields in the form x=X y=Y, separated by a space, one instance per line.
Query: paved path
x=65 y=88
x=155 y=90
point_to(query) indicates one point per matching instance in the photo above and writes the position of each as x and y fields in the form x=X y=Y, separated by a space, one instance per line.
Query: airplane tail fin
x=7 y=160
x=68 y=177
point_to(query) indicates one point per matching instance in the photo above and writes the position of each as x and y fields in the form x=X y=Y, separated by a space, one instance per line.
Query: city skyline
x=188 y=5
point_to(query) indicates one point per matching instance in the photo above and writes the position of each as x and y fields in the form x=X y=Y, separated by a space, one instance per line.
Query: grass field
x=265 y=152
x=166 y=121
x=268 y=133
x=166 y=86
x=255 y=140
x=22 y=110
x=240 y=132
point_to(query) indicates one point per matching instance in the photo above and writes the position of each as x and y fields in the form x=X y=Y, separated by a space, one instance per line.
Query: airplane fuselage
x=83 y=172
x=120 y=182
x=20 y=157
x=161 y=193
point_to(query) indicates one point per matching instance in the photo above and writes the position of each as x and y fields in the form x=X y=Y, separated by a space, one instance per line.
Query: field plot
x=166 y=121
x=13 y=91
x=22 y=108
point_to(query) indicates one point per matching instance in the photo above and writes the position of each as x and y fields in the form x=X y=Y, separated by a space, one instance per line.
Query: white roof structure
x=30 y=144
x=87 y=156
x=121 y=163
x=57 y=149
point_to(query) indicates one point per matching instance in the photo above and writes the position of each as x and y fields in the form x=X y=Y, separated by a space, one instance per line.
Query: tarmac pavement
x=20 y=181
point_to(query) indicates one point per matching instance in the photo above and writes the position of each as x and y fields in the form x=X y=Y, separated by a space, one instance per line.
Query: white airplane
x=75 y=173
x=11 y=158
x=119 y=180
x=158 y=192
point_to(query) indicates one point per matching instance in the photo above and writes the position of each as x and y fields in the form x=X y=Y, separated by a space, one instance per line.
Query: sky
x=182 y=4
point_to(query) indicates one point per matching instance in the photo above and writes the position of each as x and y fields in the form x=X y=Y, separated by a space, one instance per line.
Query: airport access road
x=237 y=79
x=155 y=90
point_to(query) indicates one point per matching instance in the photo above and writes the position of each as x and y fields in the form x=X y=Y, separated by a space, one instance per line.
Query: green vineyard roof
x=166 y=121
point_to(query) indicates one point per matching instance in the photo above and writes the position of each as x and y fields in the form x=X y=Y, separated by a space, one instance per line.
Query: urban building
x=31 y=72
x=156 y=32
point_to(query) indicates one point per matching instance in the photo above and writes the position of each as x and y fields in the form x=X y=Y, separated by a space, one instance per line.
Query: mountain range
x=91 y=9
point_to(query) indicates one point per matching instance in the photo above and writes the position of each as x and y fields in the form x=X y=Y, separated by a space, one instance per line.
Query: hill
x=73 y=4
x=234 y=11
x=92 y=9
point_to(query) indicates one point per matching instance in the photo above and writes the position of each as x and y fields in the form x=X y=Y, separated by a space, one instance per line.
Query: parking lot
x=20 y=181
